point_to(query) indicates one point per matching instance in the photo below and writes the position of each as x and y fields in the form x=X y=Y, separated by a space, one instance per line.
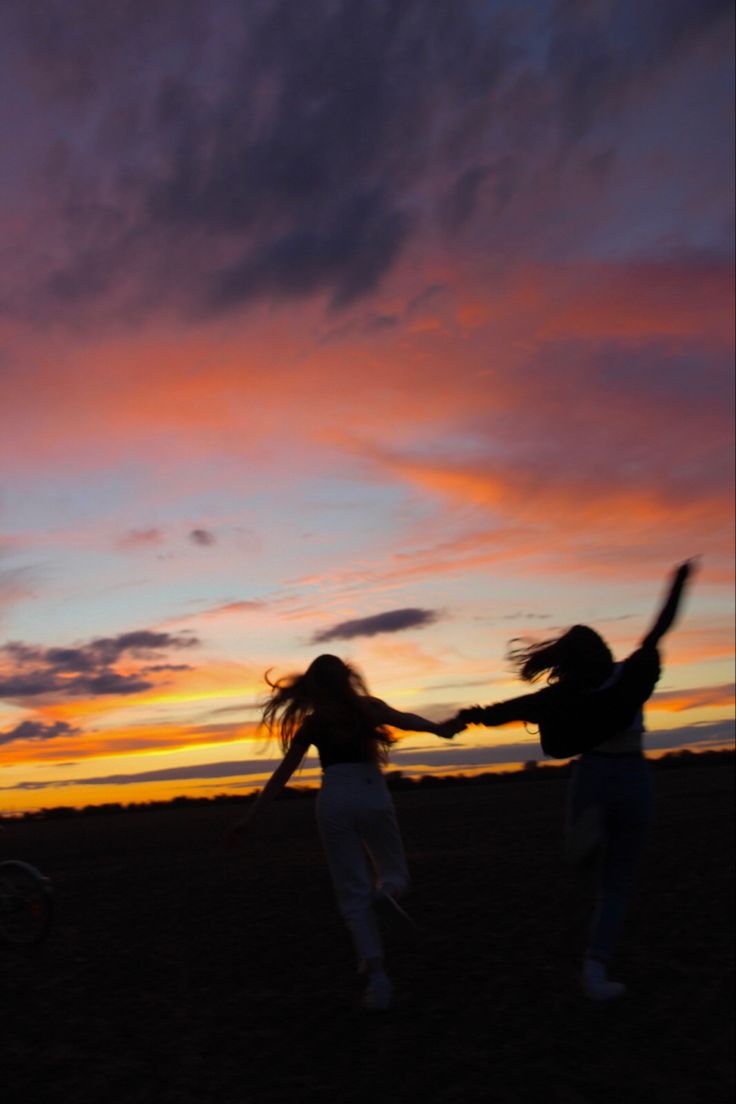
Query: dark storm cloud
x=594 y=59
x=498 y=180
x=208 y=155
x=309 y=156
x=389 y=622
x=30 y=671
x=37 y=731
x=348 y=254
x=74 y=50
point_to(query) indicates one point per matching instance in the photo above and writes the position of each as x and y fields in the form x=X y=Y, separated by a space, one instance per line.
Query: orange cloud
x=678 y=701
x=134 y=739
x=550 y=528
x=645 y=301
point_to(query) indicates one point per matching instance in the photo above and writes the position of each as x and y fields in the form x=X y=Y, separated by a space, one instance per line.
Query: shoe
x=386 y=905
x=596 y=984
x=379 y=992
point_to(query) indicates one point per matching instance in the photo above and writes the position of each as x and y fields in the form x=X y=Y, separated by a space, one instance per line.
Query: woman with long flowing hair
x=610 y=797
x=329 y=706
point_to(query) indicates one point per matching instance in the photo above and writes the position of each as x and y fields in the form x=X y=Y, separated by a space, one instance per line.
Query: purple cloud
x=308 y=152
x=30 y=671
x=389 y=622
x=37 y=731
x=202 y=537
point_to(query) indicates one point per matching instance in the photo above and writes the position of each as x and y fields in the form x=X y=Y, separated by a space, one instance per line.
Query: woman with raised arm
x=329 y=706
x=594 y=706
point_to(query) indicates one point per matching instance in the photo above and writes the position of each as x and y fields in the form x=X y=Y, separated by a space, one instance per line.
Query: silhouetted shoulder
x=643 y=667
x=305 y=734
x=377 y=708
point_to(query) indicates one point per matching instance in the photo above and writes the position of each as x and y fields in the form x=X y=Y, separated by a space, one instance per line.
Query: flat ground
x=178 y=972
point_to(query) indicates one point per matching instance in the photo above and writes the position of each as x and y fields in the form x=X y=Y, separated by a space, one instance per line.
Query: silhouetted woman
x=610 y=798
x=329 y=706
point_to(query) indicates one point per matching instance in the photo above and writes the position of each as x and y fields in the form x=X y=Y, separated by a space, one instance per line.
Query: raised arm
x=666 y=616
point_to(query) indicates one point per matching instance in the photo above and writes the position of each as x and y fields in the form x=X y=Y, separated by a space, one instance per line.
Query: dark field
x=181 y=973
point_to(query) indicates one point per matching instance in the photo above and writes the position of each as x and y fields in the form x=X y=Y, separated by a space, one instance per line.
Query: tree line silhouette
x=532 y=770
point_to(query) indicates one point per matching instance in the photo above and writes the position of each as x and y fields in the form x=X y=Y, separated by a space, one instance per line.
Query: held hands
x=448 y=729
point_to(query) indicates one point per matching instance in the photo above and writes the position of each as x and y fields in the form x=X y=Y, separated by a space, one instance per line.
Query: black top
x=573 y=721
x=533 y=708
x=339 y=738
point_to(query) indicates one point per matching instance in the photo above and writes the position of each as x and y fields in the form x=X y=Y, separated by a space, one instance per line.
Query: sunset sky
x=390 y=329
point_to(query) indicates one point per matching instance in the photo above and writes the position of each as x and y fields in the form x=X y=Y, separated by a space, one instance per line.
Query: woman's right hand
x=455 y=724
x=447 y=729
x=668 y=612
x=685 y=569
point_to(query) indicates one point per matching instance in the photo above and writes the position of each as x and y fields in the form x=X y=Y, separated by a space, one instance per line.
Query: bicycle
x=25 y=903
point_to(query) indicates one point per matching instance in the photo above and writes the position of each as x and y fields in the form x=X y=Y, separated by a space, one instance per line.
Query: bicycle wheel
x=25 y=903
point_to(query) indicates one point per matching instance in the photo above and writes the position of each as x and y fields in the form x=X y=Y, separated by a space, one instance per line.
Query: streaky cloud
x=141 y=538
x=266 y=154
x=37 y=731
x=461 y=754
x=30 y=671
x=392 y=621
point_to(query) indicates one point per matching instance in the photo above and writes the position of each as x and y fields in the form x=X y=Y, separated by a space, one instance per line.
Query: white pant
x=360 y=835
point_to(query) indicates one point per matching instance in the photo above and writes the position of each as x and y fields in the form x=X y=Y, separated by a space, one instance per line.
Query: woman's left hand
x=448 y=729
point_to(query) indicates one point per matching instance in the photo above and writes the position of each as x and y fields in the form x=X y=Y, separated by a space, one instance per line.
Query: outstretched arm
x=272 y=789
x=668 y=612
x=525 y=708
x=407 y=722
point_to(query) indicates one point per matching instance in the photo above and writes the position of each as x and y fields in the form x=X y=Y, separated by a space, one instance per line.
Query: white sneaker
x=596 y=985
x=379 y=992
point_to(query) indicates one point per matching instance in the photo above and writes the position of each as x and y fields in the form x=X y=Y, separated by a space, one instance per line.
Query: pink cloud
x=641 y=301
x=569 y=416
x=679 y=701
x=141 y=538
x=192 y=393
x=16 y=585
